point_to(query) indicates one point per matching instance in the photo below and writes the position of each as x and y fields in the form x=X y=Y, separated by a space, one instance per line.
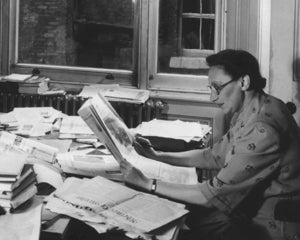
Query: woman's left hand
x=134 y=177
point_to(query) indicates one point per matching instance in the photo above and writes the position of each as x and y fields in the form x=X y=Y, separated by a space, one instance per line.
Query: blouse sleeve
x=252 y=156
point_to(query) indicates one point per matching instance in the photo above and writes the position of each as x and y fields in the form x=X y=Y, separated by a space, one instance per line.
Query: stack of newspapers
x=17 y=180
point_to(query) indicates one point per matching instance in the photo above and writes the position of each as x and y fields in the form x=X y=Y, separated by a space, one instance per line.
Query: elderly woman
x=258 y=159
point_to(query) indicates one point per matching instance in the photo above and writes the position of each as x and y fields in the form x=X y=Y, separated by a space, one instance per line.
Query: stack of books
x=17 y=183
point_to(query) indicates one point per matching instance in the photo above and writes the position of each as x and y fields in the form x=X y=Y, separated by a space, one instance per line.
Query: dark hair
x=239 y=63
x=291 y=107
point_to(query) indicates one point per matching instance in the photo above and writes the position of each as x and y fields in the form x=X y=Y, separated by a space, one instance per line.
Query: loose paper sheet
x=20 y=226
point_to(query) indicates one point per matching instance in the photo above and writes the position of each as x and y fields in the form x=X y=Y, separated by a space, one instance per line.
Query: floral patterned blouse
x=263 y=141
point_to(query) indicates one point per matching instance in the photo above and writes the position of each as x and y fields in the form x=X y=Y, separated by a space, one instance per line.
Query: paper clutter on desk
x=101 y=201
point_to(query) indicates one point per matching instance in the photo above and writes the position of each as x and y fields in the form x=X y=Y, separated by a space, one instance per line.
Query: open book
x=99 y=200
x=111 y=130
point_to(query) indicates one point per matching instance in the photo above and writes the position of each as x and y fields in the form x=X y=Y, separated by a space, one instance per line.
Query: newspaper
x=74 y=125
x=86 y=163
x=100 y=200
x=35 y=149
x=113 y=92
x=111 y=130
x=175 y=129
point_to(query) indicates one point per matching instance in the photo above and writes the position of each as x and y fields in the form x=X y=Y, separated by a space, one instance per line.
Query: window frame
x=183 y=83
x=65 y=74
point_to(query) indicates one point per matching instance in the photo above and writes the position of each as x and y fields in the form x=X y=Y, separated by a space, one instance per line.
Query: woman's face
x=225 y=92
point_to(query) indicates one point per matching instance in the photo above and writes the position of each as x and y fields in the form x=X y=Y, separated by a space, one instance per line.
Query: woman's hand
x=134 y=177
x=143 y=147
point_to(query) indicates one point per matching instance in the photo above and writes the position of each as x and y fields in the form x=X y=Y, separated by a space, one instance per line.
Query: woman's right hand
x=143 y=147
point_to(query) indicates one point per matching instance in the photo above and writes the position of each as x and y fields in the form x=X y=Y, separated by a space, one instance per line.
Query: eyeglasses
x=218 y=88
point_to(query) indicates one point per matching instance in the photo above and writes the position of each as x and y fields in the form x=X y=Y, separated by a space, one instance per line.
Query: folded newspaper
x=36 y=151
x=101 y=117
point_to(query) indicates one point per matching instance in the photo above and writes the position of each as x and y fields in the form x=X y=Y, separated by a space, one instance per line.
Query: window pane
x=207 y=34
x=191 y=6
x=208 y=6
x=83 y=33
x=198 y=6
x=190 y=33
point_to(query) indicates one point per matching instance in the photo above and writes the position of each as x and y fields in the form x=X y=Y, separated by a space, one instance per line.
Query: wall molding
x=296 y=62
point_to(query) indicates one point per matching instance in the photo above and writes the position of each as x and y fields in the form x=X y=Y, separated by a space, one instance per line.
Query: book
x=11 y=164
x=21 y=198
x=11 y=185
x=28 y=178
x=114 y=205
x=112 y=131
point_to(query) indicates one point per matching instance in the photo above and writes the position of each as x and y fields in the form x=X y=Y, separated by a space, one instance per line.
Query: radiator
x=132 y=114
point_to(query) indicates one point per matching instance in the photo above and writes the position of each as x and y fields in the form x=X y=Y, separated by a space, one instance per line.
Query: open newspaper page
x=108 y=126
x=102 y=201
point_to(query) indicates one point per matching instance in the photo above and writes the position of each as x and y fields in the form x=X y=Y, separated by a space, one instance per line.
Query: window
x=154 y=44
x=182 y=34
x=95 y=37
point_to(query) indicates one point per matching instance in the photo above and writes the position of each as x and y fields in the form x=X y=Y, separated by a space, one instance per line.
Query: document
x=176 y=129
x=46 y=173
x=37 y=114
x=35 y=129
x=113 y=92
x=35 y=149
x=92 y=90
x=74 y=125
x=87 y=164
x=62 y=145
x=103 y=201
x=11 y=163
x=19 y=226
x=17 y=77
x=111 y=130
x=127 y=95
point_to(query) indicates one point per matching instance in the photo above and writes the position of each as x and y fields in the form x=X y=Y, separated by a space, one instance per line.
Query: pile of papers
x=16 y=77
x=31 y=121
x=116 y=93
x=176 y=129
x=17 y=180
x=104 y=205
